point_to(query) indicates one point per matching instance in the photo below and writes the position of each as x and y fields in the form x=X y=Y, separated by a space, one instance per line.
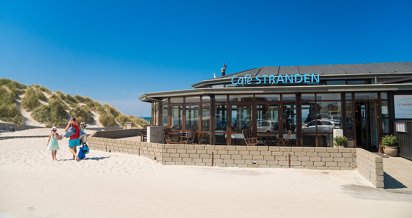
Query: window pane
x=366 y=95
x=176 y=100
x=267 y=118
x=192 y=113
x=309 y=124
x=349 y=124
x=206 y=116
x=267 y=97
x=177 y=117
x=289 y=97
x=205 y=99
x=307 y=97
x=241 y=118
x=329 y=117
x=333 y=96
x=289 y=122
x=241 y=98
x=336 y=82
x=220 y=98
x=164 y=114
x=194 y=99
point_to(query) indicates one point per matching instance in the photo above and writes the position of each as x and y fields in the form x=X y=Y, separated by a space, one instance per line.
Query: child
x=53 y=144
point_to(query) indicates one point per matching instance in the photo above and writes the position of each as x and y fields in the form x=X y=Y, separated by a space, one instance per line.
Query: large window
x=165 y=112
x=241 y=118
x=205 y=113
x=192 y=116
x=321 y=113
x=177 y=118
x=267 y=118
x=220 y=119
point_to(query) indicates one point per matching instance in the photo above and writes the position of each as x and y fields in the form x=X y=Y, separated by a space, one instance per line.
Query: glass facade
x=305 y=119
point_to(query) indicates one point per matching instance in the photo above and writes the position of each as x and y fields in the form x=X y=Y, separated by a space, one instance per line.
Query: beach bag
x=84 y=149
x=71 y=131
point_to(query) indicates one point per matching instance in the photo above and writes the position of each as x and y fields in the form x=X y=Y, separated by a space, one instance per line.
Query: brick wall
x=234 y=156
x=260 y=156
x=370 y=166
x=149 y=150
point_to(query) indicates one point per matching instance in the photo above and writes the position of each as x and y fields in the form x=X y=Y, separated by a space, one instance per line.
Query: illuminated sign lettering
x=279 y=79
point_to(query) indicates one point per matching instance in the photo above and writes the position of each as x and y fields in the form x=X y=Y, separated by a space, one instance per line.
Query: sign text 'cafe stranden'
x=279 y=79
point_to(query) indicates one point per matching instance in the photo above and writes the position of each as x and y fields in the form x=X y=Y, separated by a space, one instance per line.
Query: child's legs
x=55 y=154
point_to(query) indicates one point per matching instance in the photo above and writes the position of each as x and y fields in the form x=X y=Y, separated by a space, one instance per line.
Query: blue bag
x=71 y=131
x=84 y=149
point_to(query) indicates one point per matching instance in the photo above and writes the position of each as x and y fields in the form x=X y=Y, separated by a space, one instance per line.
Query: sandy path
x=120 y=185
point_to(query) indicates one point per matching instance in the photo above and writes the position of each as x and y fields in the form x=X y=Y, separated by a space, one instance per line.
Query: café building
x=306 y=104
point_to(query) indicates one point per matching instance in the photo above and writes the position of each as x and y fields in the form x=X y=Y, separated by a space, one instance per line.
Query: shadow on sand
x=392 y=183
x=87 y=158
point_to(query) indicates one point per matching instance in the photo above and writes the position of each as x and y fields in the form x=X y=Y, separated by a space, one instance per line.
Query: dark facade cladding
x=306 y=104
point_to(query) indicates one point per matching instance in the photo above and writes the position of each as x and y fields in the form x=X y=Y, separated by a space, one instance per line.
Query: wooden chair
x=170 y=138
x=188 y=137
x=285 y=142
x=249 y=141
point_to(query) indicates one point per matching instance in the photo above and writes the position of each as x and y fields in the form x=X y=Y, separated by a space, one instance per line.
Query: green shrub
x=82 y=113
x=340 y=141
x=122 y=119
x=109 y=109
x=42 y=89
x=30 y=100
x=10 y=113
x=11 y=84
x=53 y=114
x=42 y=114
x=70 y=100
x=389 y=140
x=6 y=97
x=107 y=120
x=80 y=99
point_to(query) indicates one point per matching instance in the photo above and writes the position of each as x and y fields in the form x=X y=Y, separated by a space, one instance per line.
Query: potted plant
x=340 y=141
x=390 y=145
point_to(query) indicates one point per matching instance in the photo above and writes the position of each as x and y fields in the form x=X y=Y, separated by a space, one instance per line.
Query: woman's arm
x=67 y=127
x=48 y=140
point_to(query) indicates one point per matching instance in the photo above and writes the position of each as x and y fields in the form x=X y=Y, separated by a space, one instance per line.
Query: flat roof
x=323 y=70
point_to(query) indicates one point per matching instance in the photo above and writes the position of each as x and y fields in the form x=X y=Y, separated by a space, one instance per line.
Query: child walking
x=52 y=143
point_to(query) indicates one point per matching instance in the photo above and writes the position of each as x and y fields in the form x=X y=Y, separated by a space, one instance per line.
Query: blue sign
x=279 y=79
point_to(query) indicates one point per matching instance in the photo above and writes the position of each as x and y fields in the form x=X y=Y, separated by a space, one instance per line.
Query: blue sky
x=114 y=51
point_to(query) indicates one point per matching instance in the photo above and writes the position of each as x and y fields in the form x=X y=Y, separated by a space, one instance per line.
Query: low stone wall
x=115 y=134
x=10 y=127
x=149 y=150
x=260 y=156
x=370 y=166
x=234 y=156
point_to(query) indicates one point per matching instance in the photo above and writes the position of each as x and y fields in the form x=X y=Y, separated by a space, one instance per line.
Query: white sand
x=120 y=185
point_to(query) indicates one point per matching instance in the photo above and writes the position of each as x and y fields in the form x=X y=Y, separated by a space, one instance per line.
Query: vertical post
x=212 y=137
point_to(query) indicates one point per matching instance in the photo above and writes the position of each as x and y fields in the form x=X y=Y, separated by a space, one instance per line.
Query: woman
x=74 y=140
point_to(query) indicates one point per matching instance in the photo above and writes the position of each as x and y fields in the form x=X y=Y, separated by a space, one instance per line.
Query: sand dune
x=121 y=185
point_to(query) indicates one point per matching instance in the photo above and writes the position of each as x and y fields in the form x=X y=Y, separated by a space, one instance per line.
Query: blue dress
x=53 y=144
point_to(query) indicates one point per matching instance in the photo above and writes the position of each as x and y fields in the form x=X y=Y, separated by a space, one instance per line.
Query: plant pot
x=391 y=151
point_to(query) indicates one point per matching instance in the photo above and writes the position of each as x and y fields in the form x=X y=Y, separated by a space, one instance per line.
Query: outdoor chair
x=170 y=137
x=285 y=141
x=249 y=141
x=188 y=137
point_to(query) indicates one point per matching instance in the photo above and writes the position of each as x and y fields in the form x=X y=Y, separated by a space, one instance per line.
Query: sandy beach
x=121 y=185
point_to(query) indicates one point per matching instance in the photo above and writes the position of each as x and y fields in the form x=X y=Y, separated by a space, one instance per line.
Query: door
x=366 y=125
